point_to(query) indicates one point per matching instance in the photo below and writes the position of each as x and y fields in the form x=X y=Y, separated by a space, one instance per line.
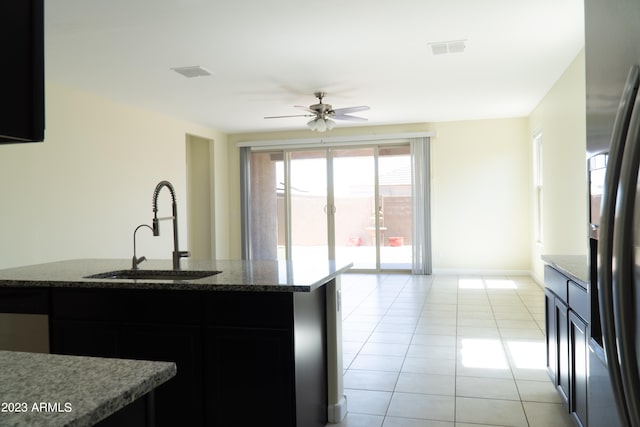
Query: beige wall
x=82 y=192
x=480 y=204
x=480 y=177
x=561 y=117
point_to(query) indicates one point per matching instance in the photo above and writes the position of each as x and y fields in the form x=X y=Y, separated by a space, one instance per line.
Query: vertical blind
x=421 y=199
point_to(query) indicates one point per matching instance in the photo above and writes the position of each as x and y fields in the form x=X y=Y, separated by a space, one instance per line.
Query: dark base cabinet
x=578 y=350
x=566 y=305
x=236 y=379
x=243 y=358
x=557 y=343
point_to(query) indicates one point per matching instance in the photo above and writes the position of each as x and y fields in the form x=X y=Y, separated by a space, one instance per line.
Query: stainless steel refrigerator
x=612 y=52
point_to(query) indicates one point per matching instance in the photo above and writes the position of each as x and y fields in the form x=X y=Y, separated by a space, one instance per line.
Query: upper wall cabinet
x=22 y=71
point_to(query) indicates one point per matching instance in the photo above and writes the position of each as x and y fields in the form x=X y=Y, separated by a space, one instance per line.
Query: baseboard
x=480 y=272
x=337 y=411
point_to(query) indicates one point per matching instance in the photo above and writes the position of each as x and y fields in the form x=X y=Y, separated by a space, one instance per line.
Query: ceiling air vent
x=452 y=46
x=195 y=71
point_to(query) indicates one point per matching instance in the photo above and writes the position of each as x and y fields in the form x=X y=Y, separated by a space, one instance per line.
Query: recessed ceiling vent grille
x=452 y=46
x=195 y=71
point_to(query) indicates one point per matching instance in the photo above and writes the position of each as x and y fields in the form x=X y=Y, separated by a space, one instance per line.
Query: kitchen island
x=257 y=344
x=47 y=390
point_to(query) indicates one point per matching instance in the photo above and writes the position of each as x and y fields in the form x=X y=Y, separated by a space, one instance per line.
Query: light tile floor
x=446 y=351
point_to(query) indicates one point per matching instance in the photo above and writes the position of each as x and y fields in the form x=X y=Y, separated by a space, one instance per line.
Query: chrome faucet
x=177 y=254
x=137 y=261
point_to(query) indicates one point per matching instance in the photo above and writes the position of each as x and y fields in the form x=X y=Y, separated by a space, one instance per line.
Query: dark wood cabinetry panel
x=84 y=338
x=22 y=74
x=249 y=365
x=557 y=318
x=579 y=352
x=179 y=401
x=567 y=341
x=25 y=301
x=138 y=325
x=551 y=335
x=243 y=358
x=562 y=330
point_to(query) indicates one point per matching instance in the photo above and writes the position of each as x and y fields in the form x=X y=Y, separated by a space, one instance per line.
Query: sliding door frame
x=331 y=144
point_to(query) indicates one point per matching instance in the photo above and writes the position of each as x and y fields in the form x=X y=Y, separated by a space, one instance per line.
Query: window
x=537 y=186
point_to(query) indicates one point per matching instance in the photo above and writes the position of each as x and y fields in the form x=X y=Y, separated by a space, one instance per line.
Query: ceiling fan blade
x=296 y=115
x=350 y=109
x=348 y=118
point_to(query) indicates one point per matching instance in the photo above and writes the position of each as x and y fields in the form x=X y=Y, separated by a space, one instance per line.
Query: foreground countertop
x=52 y=390
x=575 y=267
x=254 y=276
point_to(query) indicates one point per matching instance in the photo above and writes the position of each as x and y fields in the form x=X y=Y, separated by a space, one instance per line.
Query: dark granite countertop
x=254 y=276
x=52 y=390
x=576 y=267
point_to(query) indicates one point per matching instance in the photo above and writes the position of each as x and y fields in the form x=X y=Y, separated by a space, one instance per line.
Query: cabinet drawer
x=579 y=300
x=24 y=300
x=136 y=306
x=556 y=282
x=249 y=309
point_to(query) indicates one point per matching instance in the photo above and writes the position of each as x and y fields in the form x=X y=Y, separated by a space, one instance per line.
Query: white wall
x=561 y=117
x=82 y=192
x=480 y=178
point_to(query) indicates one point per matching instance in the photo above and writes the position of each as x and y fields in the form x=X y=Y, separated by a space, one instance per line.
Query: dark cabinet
x=562 y=318
x=179 y=344
x=578 y=349
x=557 y=342
x=243 y=358
x=551 y=335
x=566 y=308
x=132 y=336
x=22 y=74
x=170 y=343
x=236 y=378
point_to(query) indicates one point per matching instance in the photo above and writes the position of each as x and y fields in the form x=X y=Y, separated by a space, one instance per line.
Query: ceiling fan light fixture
x=312 y=124
x=321 y=124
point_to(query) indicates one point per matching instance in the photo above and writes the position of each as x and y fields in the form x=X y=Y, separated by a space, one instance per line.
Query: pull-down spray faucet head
x=156 y=221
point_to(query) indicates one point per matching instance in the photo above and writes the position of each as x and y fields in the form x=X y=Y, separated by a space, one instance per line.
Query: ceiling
x=267 y=56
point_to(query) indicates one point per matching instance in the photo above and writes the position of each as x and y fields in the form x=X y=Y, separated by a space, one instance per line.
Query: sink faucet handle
x=137 y=261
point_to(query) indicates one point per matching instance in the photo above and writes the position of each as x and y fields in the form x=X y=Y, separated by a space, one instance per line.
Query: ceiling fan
x=324 y=114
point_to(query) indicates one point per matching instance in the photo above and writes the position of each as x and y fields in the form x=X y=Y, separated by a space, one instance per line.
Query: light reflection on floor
x=482 y=353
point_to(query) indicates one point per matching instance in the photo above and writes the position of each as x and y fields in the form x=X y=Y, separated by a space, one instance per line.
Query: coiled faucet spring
x=177 y=254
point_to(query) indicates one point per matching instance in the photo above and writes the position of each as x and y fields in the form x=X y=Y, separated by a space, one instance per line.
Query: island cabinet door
x=249 y=377
x=84 y=338
x=179 y=401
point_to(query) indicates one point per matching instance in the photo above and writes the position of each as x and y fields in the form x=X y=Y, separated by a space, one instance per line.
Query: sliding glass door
x=306 y=196
x=395 y=195
x=356 y=235
x=349 y=204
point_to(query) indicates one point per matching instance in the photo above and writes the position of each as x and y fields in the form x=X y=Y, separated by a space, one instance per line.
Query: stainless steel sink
x=154 y=274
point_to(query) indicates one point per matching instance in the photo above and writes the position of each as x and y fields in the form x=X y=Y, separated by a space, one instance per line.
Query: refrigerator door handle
x=623 y=268
x=605 y=246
